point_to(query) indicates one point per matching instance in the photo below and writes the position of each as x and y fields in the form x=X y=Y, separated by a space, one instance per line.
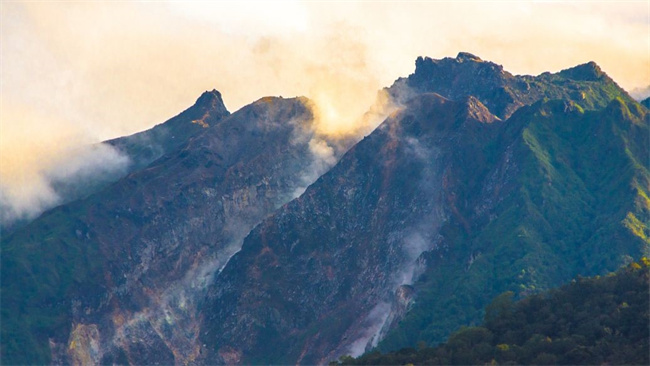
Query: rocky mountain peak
x=212 y=100
x=463 y=63
x=585 y=72
x=466 y=56
x=457 y=78
x=268 y=112
x=500 y=91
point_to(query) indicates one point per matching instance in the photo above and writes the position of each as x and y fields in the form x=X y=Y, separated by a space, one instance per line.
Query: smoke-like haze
x=640 y=93
x=75 y=73
x=25 y=193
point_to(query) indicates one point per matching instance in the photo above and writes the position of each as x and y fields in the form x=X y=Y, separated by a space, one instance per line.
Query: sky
x=74 y=73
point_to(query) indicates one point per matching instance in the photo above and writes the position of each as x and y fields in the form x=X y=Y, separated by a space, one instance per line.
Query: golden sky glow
x=74 y=73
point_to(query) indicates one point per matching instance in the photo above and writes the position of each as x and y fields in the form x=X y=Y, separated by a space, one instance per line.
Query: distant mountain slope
x=645 y=102
x=144 y=147
x=117 y=277
x=445 y=188
x=591 y=321
x=135 y=151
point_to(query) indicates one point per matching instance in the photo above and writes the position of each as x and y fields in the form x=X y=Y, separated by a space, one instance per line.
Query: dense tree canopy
x=592 y=321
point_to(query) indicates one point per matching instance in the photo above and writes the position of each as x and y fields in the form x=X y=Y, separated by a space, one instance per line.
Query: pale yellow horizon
x=77 y=72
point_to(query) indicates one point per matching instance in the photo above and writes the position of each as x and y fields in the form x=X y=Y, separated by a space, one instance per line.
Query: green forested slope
x=568 y=197
x=590 y=321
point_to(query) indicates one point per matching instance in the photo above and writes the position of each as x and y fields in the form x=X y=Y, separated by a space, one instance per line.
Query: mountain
x=144 y=147
x=326 y=264
x=116 y=277
x=135 y=152
x=441 y=208
x=591 y=321
x=259 y=241
x=567 y=197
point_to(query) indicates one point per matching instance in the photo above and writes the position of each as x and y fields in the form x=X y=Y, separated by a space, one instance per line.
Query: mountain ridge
x=136 y=151
x=502 y=92
x=481 y=182
x=113 y=246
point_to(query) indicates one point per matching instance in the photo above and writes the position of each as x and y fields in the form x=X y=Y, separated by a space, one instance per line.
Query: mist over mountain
x=85 y=170
x=254 y=238
x=640 y=93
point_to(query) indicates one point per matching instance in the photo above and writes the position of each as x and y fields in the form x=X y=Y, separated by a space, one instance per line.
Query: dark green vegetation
x=563 y=191
x=591 y=321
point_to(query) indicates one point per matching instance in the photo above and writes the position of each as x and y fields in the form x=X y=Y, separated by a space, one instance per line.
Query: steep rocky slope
x=144 y=147
x=116 y=277
x=444 y=189
x=318 y=278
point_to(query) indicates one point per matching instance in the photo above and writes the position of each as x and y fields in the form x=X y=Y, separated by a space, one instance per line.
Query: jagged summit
x=146 y=146
x=462 y=57
x=463 y=61
x=466 y=56
x=212 y=99
x=584 y=72
x=500 y=91
x=214 y=93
